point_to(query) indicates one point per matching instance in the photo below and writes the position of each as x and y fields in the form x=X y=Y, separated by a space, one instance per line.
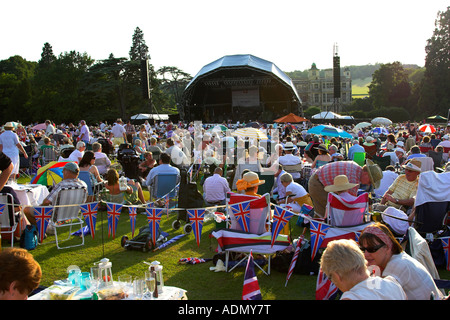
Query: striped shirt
x=403 y=189
x=351 y=169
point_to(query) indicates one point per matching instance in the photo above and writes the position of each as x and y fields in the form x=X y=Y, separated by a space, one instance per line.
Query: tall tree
x=47 y=56
x=435 y=93
x=139 y=50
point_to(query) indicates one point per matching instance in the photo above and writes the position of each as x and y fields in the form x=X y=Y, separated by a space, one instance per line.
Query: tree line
x=73 y=86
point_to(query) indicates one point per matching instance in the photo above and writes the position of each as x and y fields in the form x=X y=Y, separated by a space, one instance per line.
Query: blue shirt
x=353 y=149
x=162 y=168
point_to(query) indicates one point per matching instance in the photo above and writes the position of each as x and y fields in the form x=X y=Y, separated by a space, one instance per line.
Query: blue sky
x=190 y=34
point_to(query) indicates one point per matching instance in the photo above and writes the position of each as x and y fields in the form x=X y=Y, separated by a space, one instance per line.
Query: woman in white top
x=10 y=145
x=295 y=193
x=382 y=250
x=344 y=264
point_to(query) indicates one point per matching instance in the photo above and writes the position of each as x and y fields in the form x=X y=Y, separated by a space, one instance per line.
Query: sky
x=292 y=34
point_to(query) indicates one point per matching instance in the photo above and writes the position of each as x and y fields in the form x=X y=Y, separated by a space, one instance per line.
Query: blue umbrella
x=329 y=131
x=380 y=130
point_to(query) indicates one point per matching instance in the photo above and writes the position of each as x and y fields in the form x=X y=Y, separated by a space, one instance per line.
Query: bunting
x=241 y=212
x=113 y=210
x=325 y=289
x=445 y=246
x=318 y=232
x=281 y=216
x=196 y=220
x=154 y=218
x=2 y=207
x=132 y=212
x=89 y=212
x=42 y=216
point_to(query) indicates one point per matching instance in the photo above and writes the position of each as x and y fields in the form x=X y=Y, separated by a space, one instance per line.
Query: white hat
x=288 y=146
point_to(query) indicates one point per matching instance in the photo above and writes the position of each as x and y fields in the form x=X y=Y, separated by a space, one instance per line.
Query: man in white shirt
x=289 y=159
x=215 y=189
x=50 y=129
x=78 y=153
x=119 y=133
x=85 y=134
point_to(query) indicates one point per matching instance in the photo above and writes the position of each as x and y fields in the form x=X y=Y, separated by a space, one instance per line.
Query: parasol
x=329 y=131
x=380 y=130
x=362 y=125
x=250 y=133
x=428 y=128
x=253 y=125
x=40 y=126
x=218 y=128
x=381 y=121
x=437 y=117
x=49 y=175
x=290 y=118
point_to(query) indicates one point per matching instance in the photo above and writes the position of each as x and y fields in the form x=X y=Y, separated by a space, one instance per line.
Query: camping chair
x=257 y=240
x=383 y=162
x=66 y=212
x=424 y=150
x=293 y=168
x=49 y=155
x=432 y=204
x=163 y=184
x=445 y=155
x=371 y=151
x=93 y=187
x=26 y=164
x=8 y=220
x=359 y=158
x=269 y=179
x=343 y=213
x=437 y=158
x=427 y=163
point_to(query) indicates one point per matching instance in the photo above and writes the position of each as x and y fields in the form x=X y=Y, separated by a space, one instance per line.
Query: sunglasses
x=372 y=249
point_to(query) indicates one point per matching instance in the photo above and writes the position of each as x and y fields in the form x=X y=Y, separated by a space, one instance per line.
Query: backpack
x=29 y=237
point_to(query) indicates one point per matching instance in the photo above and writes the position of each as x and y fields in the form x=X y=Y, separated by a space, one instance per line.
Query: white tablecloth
x=169 y=293
x=30 y=194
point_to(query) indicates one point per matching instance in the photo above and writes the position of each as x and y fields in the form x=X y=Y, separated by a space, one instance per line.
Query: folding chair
x=49 y=155
x=343 y=213
x=383 y=162
x=437 y=157
x=93 y=188
x=371 y=151
x=257 y=240
x=427 y=163
x=424 y=150
x=294 y=168
x=359 y=158
x=269 y=179
x=163 y=184
x=26 y=163
x=66 y=212
x=8 y=220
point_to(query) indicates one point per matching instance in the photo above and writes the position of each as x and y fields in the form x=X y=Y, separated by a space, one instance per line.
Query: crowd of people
x=306 y=167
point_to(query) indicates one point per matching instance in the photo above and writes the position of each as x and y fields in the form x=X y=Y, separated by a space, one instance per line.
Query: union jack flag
x=445 y=246
x=154 y=218
x=294 y=258
x=113 y=210
x=2 y=207
x=281 y=216
x=89 y=212
x=42 y=216
x=132 y=211
x=196 y=220
x=318 y=232
x=325 y=289
x=167 y=203
x=241 y=212
x=251 y=290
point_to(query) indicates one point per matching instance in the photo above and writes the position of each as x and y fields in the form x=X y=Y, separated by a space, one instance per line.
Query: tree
x=139 y=50
x=173 y=82
x=390 y=86
x=435 y=93
x=47 y=56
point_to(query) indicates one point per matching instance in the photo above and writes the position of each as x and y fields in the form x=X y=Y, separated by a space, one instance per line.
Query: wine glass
x=95 y=278
x=125 y=282
x=150 y=282
x=139 y=288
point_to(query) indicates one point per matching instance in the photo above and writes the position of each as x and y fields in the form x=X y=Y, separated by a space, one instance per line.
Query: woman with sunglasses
x=382 y=250
x=344 y=264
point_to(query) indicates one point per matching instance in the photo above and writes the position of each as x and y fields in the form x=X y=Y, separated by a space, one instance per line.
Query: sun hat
x=375 y=173
x=250 y=179
x=288 y=146
x=322 y=147
x=413 y=165
x=340 y=183
x=72 y=167
x=8 y=126
x=400 y=144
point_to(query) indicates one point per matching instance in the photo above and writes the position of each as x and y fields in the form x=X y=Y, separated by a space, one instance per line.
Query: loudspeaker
x=337 y=76
x=144 y=79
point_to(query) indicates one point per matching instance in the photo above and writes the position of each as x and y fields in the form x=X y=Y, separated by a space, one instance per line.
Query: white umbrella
x=362 y=125
x=250 y=133
x=381 y=121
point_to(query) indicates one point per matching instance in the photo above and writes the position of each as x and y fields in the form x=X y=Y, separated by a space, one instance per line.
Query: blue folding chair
x=164 y=184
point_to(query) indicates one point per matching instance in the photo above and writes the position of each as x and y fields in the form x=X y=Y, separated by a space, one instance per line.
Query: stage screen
x=245 y=97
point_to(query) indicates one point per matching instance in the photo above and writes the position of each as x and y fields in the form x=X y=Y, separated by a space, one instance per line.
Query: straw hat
x=8 y=126
x=322 y=147
x=250 y=179
x=375 y=173
x=413 y=165
x=288 y=146
x=340 y=183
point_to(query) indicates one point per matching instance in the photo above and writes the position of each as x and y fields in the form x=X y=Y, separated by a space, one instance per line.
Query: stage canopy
x=240 y=87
